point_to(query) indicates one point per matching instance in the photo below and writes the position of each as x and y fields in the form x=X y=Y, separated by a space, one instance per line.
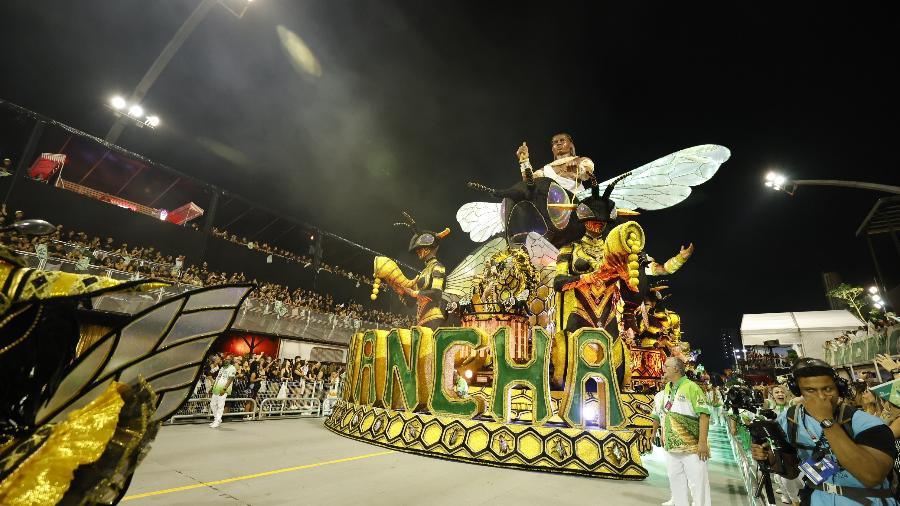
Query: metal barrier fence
x=197 y=408
x=749 y=469
x=302 y=406
x=277 y=399
x=886 y=341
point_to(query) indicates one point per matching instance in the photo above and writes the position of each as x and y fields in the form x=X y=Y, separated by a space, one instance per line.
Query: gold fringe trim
x=45 y=476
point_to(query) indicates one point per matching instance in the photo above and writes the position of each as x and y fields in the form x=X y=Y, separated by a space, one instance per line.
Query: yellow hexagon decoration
x=394 y=428
x=503 y=443
x=412 y=430
x=347 y=417
x=587 y=450
x=529 y=445
x=616 y=453
x=454 y=435
x=432 y=433
x=477 y=439
x=367 y=421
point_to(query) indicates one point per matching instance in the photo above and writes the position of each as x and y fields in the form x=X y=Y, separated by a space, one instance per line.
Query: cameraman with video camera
x=845 y=455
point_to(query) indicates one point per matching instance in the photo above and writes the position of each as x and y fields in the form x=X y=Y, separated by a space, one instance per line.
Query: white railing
x=198 y=408
x=295 y=406
x=275 y=400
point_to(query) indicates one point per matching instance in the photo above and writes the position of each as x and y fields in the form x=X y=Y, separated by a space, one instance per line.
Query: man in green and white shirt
x=684 y=418
x=222 y=388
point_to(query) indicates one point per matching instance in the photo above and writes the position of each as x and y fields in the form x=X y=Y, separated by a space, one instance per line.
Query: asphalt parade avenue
x=298 y=461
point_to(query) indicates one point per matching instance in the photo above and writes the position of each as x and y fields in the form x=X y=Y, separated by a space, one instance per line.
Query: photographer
x=845 y=455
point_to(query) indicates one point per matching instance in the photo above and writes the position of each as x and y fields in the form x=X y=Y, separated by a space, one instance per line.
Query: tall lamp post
x=166 y=56
x=780 y=182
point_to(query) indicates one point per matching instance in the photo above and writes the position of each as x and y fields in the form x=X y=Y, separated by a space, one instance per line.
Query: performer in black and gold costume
x=74 y=424
x=428 y=286
x=595 y=276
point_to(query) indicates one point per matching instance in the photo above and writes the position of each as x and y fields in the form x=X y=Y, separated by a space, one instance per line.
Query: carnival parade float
x=539 y=350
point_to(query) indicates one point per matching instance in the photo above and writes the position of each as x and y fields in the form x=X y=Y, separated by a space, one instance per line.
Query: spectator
x=137 y=261
x=221 y=389
x=254 y=383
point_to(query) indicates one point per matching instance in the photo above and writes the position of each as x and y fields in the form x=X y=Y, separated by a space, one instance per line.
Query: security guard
x=845 y=455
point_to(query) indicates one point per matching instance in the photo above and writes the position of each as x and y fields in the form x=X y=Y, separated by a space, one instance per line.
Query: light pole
x=780 y=182
x=875 y=296
x=165 y=56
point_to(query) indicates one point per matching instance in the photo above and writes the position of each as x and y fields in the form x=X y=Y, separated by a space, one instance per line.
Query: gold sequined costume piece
x=593 y=276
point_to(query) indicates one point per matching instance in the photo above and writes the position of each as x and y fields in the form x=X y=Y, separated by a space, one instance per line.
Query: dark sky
x=416 y=98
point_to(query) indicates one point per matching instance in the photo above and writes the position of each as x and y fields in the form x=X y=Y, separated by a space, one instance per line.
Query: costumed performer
x=428 y=286
x=592 y=276
x=567 y=168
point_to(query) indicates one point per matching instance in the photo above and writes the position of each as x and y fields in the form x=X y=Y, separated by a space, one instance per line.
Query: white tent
x=809 y=329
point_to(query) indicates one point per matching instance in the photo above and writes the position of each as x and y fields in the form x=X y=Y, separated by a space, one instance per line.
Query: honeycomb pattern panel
x=613 y=454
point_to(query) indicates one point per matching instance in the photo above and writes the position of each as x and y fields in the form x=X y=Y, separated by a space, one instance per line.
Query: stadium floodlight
x=873 y=289
x=779 y=182
x=134 y=112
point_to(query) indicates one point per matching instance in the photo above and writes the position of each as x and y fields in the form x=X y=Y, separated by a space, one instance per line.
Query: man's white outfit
x=683 y=403
x=219 y=393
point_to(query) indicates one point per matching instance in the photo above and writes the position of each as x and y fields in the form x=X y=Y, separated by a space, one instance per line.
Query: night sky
x=417 y=98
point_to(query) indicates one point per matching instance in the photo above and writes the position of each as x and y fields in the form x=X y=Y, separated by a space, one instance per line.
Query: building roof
x=883 y=218
x=797 y=327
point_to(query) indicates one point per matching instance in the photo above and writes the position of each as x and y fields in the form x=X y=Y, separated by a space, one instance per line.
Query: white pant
x=217 y=406
x=685 y=468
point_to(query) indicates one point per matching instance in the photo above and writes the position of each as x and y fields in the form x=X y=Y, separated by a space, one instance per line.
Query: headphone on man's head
x=807 y=367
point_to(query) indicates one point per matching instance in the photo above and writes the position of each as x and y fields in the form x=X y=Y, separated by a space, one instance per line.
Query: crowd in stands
x=289 y=255
x=760 y=358
x=877 y=324
x=259 y=373
x=146 y=261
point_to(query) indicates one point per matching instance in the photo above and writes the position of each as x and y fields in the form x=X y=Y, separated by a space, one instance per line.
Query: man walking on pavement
x=659 y=400
x=684 y=419
x=221 y=389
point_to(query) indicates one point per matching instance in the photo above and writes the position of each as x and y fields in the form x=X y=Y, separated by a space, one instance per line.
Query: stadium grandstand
x=109 y=207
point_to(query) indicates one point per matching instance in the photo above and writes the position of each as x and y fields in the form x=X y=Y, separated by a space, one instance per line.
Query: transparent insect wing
x=461 y=279
x=542 y=253
x=668 y=180
x=164 y=345
x=481 y=220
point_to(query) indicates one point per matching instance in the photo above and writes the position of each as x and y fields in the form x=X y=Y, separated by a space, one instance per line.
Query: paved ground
x=298 y=461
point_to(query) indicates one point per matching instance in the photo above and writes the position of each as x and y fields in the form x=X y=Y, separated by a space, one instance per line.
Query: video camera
x=741 y=397
x=764 y=429
x=761 y=424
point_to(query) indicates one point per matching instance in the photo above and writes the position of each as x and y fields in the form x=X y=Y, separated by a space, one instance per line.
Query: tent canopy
x=810 y=329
